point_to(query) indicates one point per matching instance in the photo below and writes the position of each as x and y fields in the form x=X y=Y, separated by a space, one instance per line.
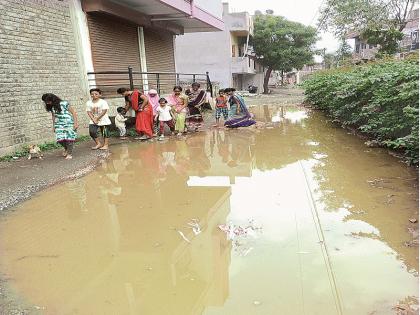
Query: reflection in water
x=114 y=242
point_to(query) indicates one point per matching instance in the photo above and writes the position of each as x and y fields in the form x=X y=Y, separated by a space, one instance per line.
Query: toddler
x=164 y=112
x=120 y=122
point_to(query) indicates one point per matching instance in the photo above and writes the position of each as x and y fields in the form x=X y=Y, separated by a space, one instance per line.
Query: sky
x=303 y=11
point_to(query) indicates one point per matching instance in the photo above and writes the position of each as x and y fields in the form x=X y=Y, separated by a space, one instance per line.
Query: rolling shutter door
x=114 y=44
x=159 y=48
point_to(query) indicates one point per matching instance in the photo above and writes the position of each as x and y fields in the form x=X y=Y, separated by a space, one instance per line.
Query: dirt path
x=20 y=179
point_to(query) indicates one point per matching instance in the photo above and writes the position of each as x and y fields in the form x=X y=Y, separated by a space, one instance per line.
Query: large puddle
x=314 y=222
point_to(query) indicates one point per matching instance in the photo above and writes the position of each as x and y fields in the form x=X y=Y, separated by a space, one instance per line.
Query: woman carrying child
x=164 y=113
x=221 y=107
x=97 y=110
x=64 y=120
x=179 y=102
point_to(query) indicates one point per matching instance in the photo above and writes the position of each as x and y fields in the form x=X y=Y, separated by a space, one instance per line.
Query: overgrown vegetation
x=381 y=99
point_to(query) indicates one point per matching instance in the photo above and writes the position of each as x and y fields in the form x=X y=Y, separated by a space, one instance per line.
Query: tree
x=386 y=39
x=330 y=60
x=378 y=22
x=281 y=44
x=343 y=51
x=342 y=17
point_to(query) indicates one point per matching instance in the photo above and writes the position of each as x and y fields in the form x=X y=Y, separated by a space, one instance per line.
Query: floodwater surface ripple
x=295 y=217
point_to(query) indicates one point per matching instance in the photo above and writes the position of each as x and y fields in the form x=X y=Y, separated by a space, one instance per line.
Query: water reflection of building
x=141 y=223
x=369 y=183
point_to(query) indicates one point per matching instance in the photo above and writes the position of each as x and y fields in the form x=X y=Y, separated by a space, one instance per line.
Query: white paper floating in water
x=183 y=236
x=195 y=226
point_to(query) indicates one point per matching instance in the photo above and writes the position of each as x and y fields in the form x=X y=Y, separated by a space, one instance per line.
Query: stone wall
x=39 y=53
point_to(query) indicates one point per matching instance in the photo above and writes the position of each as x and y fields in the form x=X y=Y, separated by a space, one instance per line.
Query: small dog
x=35 y=151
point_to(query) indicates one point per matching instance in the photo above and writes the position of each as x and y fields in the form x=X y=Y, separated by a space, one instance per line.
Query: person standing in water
x=240 y=114
x=197 y=98
x=221 y=107
x=179 y=103
x=165 y=116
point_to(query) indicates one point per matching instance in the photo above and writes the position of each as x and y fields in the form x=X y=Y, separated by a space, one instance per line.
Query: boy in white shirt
x=120 y=122
x=97 y=110
x=164 y=112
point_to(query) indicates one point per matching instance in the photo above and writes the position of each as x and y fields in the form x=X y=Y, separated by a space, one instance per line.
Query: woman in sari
x=197 y=98
x=144 y=111
x=241 y=116
x=179 y=103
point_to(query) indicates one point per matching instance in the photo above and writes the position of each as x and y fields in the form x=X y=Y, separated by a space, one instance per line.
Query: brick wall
x=38 y=53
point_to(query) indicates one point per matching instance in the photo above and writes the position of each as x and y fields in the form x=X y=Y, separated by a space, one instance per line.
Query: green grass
x=46 y=146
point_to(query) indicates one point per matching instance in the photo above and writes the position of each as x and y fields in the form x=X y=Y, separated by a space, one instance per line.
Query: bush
x=381 y=99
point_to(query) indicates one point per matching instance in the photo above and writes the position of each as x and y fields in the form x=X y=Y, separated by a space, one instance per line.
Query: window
x=357 y=48
x=255 y=66
x=415 y=36
x=249 y=62
x=233 y=51
x=363 y=46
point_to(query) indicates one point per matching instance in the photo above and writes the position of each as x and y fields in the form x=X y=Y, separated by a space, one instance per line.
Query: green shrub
x=381 y=99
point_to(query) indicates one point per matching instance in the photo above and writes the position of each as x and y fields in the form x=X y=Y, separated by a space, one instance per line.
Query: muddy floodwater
x=294 y=217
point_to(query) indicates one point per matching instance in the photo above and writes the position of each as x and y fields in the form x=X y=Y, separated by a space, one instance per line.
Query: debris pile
x=242 y=236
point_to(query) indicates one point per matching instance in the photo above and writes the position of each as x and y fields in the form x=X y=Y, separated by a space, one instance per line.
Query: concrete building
x=59 y=46
x=226 y=55
x=410 y=41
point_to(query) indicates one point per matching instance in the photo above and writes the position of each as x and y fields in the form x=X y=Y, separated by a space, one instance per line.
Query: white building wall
x=213 y=7
x=201 y=52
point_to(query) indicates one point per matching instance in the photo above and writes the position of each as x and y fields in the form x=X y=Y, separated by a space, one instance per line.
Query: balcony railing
x=241 y=65
x=163 y=82
x=366 y=54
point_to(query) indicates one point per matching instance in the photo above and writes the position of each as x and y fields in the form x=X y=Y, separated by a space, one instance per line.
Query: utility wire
x=320 y=233
x=317 y=11
x=327 y=12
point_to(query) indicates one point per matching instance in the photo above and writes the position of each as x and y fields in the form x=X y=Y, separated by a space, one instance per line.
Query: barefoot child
x=97 y=110
x=120 y=122
x=65 y=123
x=221 y=107
x=164 y=112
